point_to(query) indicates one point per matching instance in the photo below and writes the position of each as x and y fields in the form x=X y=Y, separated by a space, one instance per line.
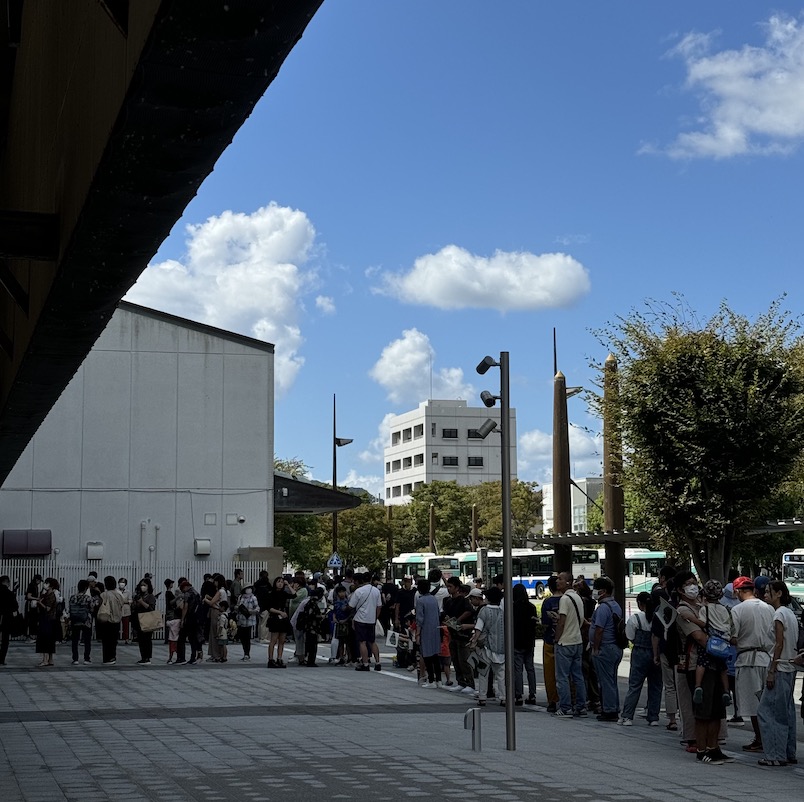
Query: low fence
x=22 y=573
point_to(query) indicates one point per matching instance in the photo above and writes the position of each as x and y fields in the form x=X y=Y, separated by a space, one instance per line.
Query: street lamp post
x=505 y=465
x=337 y=442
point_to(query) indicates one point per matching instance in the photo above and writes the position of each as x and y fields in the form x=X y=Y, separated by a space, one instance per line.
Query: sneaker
x=614 y=717
x=726 y=700
x=564 y=714
x=75 y=662
x=280 y=664
x=180 y=663
x=468 y=691
x=362 y=667
x=377 y=667
x=697 y=697
x=627 y=722
x=551 y=708
x=709 y=756
x=411 y=668
x=519 y=702
x=738 y=720
x=581 y=713
x=143 y=662
x=427 y=684
x=87 y=662
x=653 y=723
x=245 y=658
x=531 y=700
x=110 y=662
x=449 y=683
x=271 y=664
x=192 y=662
x=718 y=754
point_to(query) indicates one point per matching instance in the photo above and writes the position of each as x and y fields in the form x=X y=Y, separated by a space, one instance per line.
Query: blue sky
x=428 y=182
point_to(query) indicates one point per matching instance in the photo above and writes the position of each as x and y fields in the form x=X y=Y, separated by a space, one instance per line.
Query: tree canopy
x=711 y=418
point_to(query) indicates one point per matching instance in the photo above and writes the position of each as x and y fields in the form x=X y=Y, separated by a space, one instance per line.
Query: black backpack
x=620 y=638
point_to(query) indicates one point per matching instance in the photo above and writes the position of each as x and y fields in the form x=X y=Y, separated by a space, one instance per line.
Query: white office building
x=580 y=494
x=439 y=441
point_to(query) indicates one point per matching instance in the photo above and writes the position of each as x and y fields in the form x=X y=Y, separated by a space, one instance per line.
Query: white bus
x=793 y=573
x=419 y=563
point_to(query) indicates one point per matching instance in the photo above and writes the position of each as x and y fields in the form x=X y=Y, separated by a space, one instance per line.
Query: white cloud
x=374 y=484
x=751 y=99
x=535 y=454
x=376 y=448
x=242 y=272
x=453 y=278
x=404 y=370
x=325 y=304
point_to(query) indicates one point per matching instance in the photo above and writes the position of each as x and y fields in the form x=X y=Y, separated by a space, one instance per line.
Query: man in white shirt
x=752 y=625
x=367 y=604
x=569 y=651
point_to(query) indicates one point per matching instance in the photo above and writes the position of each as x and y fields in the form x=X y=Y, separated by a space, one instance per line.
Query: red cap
x=743 y=583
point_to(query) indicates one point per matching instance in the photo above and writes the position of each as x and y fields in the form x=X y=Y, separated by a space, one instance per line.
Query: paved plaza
x=241 y=732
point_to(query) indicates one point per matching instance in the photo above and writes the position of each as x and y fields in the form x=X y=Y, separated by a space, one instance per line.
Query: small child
x=342 y=631
x=309 y=622
x=716 y=620
x=223 y=630
x=174 y=625
x=444 y=651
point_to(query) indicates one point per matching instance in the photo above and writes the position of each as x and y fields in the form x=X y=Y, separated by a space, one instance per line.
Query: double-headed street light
x=337 y=442
x=489 y=399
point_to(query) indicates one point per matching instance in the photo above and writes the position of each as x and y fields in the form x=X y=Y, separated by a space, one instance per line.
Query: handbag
x=105 y=612
x=152 y=621
x=392 y=639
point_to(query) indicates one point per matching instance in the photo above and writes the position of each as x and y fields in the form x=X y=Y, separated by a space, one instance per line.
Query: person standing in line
x=80 y=611
x=236 y=588
x=665 y=639
x=549 y=616
x=9 y=609
x=525 y=619
x=752 y=634
x=569 y=649
x=122 y=586
x=144 y=602
x=300 y=593
x=606 y=654
x=32 y=594
x=47 y=605
x=367 y=603
x=191 y=623
x=248 y=609
x=213 y=603
x=459 y=610
x=262 y=592
x=593 y=700
x=643 y=664
x=110 y=613
x=428 y=633
x=278 y=621
x=776 y=713
x=490 y=628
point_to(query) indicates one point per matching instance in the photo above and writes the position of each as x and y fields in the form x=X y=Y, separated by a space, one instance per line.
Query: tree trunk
x=699 y=562
x=715 y=548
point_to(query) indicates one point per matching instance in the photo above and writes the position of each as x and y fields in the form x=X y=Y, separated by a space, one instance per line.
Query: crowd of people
x=706 y=649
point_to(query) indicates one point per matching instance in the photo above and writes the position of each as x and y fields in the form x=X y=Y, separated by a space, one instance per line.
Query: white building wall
x=418 y=451
x=164 y=435
x=579 y=503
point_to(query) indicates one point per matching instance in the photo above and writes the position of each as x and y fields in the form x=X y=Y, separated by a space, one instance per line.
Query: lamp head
x=486 y=363
x=487 y=427
x=489 y=399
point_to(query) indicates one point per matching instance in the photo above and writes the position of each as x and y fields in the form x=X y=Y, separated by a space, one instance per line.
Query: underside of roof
x=202 y=68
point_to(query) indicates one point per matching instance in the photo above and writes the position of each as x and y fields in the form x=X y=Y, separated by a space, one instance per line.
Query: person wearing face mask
x=48 y=622
x=606 y=654
x=122 y=586
x=144 y=602
x=247 y=609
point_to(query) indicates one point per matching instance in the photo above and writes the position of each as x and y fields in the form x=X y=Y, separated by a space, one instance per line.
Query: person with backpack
x=606 y=635
x=80 y=612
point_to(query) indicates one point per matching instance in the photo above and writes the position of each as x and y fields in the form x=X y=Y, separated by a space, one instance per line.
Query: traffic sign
x=335 y=561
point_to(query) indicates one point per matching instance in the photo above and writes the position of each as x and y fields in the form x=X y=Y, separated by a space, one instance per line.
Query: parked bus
x=793 y=573
x=420 y=563
x=642 y=568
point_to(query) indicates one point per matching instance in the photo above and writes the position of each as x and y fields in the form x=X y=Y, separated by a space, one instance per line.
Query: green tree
x=526 y=511
x=303 y=540
x=711 y=420
x=362 y=535
x=453 y=517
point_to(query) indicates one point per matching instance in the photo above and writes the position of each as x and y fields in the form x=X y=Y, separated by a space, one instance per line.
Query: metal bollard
x=471 y=721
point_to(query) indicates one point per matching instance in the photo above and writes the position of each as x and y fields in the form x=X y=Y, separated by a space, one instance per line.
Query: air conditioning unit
x=94 y=550
x=203 y=546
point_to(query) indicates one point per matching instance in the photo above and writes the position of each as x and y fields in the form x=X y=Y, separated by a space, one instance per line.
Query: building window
x=418 y=431
x=395 y=437
x=397 y=491
x=432 y=430
x=407 y=490
x=388 y=467
x=388 y=492
x=474 y=434
x=418 y=459
x=396 y=465
x=475 y=462
x=450 y=462
x=407 y=435
x=407 y=462
x=417 y=485
x=449 y=434
x=434 y=458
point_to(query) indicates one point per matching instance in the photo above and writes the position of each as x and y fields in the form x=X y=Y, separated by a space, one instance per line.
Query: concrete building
x=439 y=441
x=160 y=448
x=591 y=486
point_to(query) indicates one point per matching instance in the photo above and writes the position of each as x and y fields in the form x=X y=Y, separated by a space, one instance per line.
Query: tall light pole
x=337 y=442
x=505 y=465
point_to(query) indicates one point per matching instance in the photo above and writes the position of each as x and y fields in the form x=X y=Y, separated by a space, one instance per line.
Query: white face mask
x=691 y=591
x=248 y=593
x=121 y=585
x=595 y=594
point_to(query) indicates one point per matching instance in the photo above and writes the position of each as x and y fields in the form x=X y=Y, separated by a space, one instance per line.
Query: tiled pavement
x=241 y=732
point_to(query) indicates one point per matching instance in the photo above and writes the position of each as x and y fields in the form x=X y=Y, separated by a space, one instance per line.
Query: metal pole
x=473 y=544
x=432 y=528
x=334 y=478
x=508 y=612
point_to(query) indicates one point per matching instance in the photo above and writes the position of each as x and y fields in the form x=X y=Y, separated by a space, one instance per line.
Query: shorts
x=364 y=632
x=706 y=660
x=749 y=680
x=277 y=624
x=712 y=707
